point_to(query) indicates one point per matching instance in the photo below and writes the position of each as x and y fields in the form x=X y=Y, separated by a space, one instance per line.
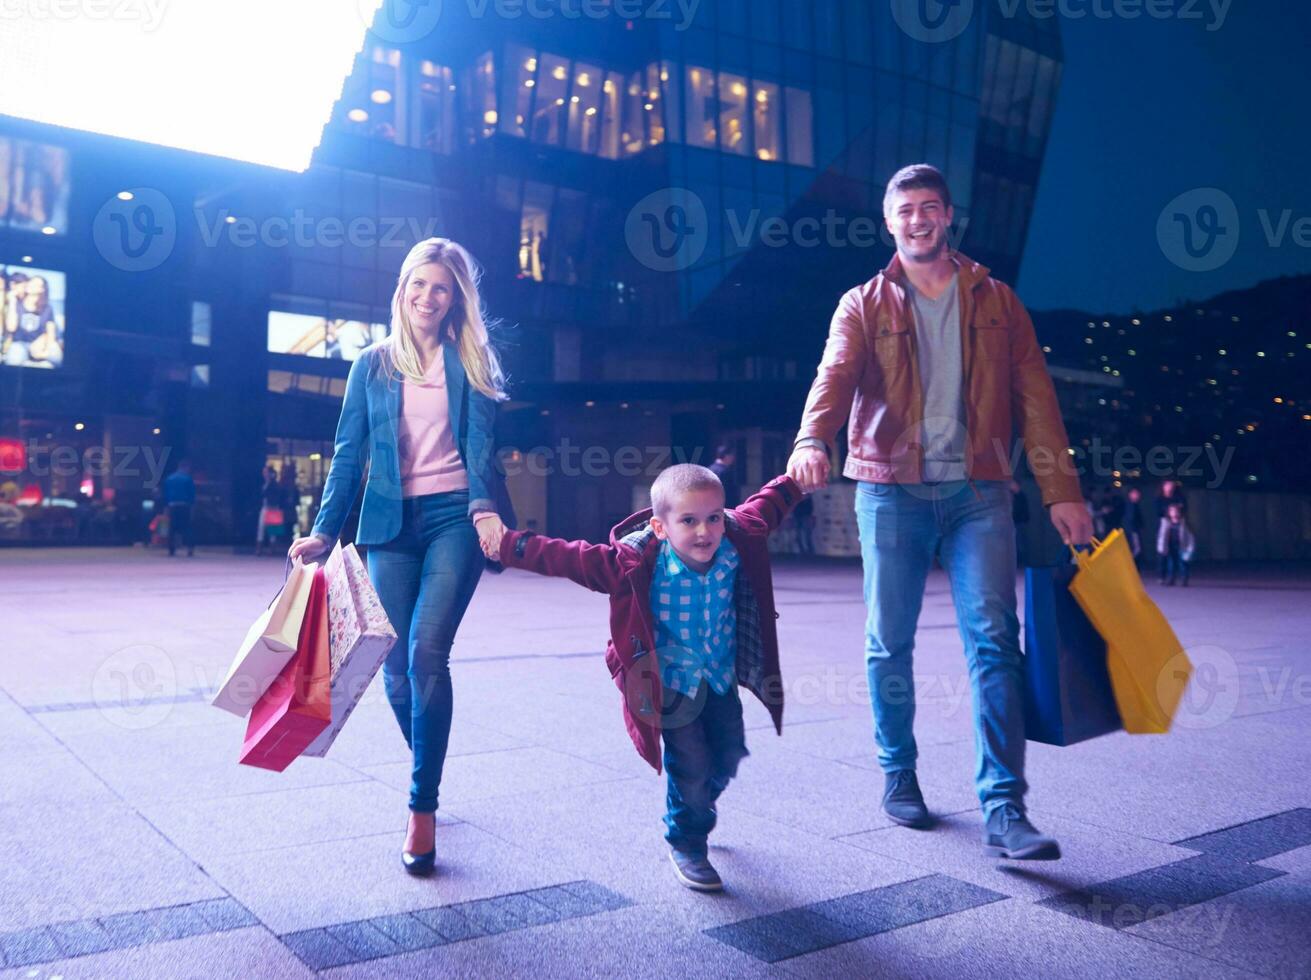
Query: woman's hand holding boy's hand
x=490 y=531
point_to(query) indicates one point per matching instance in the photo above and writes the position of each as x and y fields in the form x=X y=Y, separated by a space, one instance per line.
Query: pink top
x=430 y=461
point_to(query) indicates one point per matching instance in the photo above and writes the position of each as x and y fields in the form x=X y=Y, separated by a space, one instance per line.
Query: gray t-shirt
x=937 y=333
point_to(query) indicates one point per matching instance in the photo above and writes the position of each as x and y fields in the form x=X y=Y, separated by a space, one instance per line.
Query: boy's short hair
x=678 y=480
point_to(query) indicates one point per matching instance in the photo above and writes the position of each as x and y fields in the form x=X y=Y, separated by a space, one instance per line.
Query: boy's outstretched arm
x=595 y=566
x=772 y=502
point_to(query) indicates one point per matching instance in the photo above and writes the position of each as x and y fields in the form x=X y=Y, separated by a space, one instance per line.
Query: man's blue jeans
x=425 y=578
x=969 y=527
x=705 y=739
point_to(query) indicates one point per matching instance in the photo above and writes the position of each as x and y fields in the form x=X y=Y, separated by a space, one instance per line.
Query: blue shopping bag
x=1067 y=690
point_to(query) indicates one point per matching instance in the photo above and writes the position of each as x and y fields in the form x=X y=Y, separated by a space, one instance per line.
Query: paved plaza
x=133 y=845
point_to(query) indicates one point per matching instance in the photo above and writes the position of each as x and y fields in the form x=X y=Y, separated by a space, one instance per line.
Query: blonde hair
x=464 y=322
x=678 y=480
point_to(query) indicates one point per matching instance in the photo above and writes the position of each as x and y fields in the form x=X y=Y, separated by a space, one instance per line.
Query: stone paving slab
x=307 y=886
x=1255 y=928
x=243 y=954
x=50 y=852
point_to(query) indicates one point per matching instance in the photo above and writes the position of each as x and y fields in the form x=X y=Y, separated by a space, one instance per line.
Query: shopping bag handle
x=286 y=574
x=1080 y=556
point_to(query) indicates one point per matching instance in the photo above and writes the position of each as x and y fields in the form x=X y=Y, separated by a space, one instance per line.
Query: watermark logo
x=932 y=21
x=136 y=230
x=667 y=230
x=400 y=21
x=1213 y=691
x=1198 y=230
x=134 y=686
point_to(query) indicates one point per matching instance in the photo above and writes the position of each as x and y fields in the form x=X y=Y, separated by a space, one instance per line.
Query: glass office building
x=667 y=200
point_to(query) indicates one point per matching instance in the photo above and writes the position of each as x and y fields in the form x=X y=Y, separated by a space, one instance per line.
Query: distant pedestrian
x=1133 y=521
x=1112 y=511
x=724 y=467
x=270 y=508
x=180 y=499
x=1171 y=493
x=1175 y=544
x=290 y=501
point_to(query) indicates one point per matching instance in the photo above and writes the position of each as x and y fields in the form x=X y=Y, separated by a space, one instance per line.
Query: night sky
x=1149 y=109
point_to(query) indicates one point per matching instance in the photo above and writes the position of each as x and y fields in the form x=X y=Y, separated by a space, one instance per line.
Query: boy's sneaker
x=903 y=801
x=695 y=871
x=1008 y=834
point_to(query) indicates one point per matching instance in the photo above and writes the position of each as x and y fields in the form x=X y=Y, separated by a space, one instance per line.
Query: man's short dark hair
x=918 y=176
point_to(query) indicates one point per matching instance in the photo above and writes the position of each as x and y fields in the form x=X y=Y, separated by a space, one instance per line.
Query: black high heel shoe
x=421 y=865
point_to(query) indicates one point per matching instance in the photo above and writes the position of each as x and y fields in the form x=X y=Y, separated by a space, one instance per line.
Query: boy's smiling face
x=693 y=526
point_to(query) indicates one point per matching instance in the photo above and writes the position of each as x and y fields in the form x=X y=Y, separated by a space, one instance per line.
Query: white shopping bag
x=268 y=646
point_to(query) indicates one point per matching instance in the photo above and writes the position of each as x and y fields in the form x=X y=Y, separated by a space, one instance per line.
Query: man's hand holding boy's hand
x=809 y=467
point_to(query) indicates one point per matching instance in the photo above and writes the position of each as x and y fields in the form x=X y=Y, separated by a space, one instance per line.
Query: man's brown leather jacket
x=870 y=377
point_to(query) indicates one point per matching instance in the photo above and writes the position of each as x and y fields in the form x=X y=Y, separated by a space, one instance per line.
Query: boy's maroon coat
x=623 y=570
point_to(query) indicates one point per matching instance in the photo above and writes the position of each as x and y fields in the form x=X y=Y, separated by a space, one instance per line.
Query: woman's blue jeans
x=425 y=578
x=970 y=530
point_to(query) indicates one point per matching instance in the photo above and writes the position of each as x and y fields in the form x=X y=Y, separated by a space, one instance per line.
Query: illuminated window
x=702 y=107
x=634 y=126
x=436 y=107
x=480 y=98
x=673 y=114
x=611 y=110
x=201 y=324
x=765 y=111
x=518 y=81
x=368 y=105
x=533 y=222
x=801 y=141
x=653 y=107
x=584 y=107
x=550 y=111
x=733 y=136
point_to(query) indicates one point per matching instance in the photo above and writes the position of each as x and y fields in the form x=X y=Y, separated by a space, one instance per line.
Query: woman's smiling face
x=429 y=295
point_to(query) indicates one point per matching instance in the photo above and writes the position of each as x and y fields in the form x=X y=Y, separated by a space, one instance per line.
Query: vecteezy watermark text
x=404 y=21
x=668 y=230
x=148 y=13
x=937 y=21
x=118 y=461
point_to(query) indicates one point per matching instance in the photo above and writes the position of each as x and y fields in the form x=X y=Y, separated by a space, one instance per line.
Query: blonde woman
x=420 y=408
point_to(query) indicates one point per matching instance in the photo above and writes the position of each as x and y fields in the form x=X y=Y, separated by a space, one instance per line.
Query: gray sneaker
x=1008 y=834
x=695 y=871
x=903 y=801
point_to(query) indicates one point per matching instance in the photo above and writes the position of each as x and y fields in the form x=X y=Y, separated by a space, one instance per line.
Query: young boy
x=1175 y=545
x=691 y=618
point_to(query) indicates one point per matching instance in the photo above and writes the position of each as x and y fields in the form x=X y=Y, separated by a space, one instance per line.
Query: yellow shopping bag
x=1148 y=667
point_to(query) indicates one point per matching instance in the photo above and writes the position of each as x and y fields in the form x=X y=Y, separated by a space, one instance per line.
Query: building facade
x=667 y=208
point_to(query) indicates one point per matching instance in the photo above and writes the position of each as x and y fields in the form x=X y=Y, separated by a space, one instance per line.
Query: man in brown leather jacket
x=935 y=367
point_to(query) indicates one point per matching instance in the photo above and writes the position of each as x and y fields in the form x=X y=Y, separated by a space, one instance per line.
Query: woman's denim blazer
x=366 y=435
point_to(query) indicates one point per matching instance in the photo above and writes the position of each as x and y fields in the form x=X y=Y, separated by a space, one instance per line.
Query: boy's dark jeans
x=704 y=742
x=1172 y=565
